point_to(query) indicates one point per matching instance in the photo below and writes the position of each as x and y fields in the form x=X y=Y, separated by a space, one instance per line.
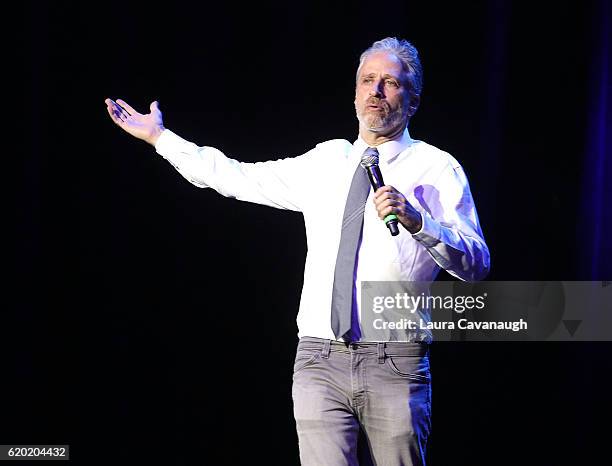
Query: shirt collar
x=388 y=150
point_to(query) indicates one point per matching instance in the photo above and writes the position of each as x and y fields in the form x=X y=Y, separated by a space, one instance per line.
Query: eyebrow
x=385 y=76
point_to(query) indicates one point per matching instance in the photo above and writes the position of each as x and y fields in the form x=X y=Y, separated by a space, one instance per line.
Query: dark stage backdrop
x=149 y=319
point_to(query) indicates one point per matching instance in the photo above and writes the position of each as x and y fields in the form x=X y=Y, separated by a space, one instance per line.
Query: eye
x=392 y=83
x=366 y=80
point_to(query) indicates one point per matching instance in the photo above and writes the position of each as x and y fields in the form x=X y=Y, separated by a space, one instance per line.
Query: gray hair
x=406 y=53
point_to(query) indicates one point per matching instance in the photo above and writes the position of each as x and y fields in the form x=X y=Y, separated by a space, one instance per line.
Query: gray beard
x=381 y=123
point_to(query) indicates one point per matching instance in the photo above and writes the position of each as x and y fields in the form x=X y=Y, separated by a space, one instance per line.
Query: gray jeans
x=362 y=403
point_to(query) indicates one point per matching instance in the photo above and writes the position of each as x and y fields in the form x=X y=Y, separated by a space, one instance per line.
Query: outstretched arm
x=147 y=126
x=278 y=183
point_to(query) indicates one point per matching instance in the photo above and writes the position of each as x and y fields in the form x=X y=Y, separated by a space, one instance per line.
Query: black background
x=152 y=320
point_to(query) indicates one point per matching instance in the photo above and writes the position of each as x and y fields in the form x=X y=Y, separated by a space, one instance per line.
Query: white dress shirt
x=317 y=184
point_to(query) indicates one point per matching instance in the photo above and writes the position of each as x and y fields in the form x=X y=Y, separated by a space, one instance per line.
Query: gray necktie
x=344 y=292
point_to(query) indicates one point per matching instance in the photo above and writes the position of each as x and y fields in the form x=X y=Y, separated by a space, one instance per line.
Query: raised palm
x=147 y=127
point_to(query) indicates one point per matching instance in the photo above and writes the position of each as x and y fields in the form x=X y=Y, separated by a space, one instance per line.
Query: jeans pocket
x=410 y=367
x=305 y=358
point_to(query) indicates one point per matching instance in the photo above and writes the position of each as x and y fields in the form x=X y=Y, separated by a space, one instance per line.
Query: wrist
x=156 y=133
x=414 y=223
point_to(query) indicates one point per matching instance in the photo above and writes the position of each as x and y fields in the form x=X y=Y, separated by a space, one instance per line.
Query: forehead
x=382 y=63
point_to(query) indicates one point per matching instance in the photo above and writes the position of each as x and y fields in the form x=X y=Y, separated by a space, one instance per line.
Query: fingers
x=384 y=189
x=125 y=105
x=388 y=207
x=117 y=114
x=112 y=114
x=389 y=201
x=154 y=107
x=382 y=214
x=387 y=192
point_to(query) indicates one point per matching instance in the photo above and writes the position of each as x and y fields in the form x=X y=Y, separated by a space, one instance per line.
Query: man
x=347 y=385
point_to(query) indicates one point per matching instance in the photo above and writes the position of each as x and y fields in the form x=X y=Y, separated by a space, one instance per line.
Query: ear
x=413 y=105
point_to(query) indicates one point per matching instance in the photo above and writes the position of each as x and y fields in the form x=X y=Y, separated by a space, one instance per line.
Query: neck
x=376 y=139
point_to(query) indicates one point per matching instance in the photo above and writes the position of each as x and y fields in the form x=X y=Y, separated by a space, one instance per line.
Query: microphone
x=369 y=161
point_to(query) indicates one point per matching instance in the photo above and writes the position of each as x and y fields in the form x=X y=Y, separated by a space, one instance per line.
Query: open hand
x=147 y=127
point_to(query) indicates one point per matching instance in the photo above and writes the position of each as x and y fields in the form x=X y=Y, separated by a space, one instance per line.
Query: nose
x=376 y=88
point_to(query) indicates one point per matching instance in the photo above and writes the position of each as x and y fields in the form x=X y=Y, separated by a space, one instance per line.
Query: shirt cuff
x=168 y=143
x=430 y=232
